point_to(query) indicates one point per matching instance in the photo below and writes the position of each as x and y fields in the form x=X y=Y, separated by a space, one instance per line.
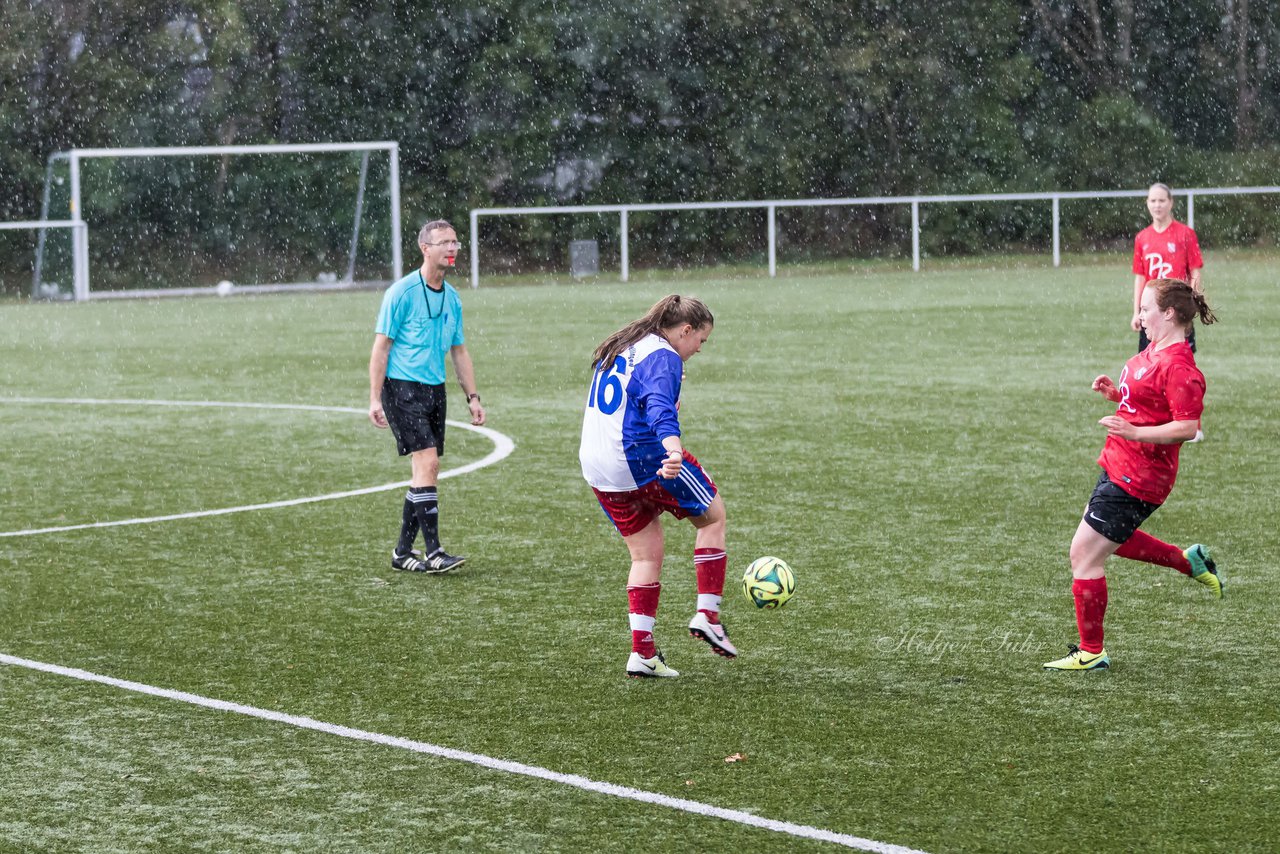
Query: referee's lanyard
x=426 y=298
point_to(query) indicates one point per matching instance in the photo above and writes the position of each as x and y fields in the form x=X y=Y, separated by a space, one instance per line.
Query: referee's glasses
x=456 y=244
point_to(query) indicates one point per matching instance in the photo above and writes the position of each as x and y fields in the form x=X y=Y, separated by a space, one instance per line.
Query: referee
x=420 y=321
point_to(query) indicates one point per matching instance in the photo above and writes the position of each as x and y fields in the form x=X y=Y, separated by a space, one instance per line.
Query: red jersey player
x=1166 y=249
x=1159 y=400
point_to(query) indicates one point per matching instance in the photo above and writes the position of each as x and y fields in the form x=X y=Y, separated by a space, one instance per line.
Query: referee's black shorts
x=415 y=412
x=1114 y=513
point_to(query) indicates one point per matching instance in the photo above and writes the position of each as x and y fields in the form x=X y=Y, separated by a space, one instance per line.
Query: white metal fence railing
x=771 y=207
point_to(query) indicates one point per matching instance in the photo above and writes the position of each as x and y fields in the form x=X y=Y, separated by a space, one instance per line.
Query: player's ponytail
x=1202 y=308
x=670 y=311
x=675 y=310
x=1186 y=302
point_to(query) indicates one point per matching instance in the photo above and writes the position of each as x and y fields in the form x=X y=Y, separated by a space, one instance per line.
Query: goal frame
x=80 y=231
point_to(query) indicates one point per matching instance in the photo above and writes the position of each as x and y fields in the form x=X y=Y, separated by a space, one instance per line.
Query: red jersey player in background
x=1166 y=249
x=1159 y=400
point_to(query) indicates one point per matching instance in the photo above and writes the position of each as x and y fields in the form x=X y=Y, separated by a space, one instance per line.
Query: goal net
x=225 y=219
x=35 y=257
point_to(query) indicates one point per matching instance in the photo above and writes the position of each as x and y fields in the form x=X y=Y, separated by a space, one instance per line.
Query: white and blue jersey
x=631 y=408
x=423 y=325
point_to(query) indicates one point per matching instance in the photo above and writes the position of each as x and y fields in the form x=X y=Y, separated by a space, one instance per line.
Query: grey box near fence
x=584 y=258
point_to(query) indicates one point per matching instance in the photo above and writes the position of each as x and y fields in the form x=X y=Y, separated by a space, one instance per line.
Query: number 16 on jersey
x=606 y=387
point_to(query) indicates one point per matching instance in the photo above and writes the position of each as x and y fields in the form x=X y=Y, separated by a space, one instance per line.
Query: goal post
x=41 y=229
x=76 y=158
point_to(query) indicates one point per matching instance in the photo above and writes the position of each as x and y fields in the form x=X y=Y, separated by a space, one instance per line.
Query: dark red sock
x=643 y=607
x=1146 y=548
x=1091 y=607
x=708 y=566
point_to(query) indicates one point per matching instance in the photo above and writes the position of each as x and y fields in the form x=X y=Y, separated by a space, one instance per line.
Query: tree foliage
x=564 y=101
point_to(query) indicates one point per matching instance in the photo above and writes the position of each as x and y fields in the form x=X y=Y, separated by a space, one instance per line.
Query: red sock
x=1091 y=607
x=1146 y=548
x=708 y=565
x=643 y=601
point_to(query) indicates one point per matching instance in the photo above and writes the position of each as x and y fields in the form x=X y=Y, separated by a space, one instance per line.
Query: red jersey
x=1169 y=254
x=1155 y=388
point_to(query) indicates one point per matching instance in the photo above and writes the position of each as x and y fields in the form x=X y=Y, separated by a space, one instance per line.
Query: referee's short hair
x=434 y=225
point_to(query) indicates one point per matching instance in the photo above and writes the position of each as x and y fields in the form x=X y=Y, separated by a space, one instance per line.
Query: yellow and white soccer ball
x=769 y=582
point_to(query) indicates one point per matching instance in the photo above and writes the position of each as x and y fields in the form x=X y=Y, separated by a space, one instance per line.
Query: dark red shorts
x=688 y=494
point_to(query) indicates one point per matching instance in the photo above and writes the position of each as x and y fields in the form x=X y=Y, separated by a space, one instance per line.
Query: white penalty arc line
x=502 y=447
x=573 y=780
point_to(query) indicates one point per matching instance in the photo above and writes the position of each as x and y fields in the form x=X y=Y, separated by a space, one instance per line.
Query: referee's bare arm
x=378 y=374
x=467 y=379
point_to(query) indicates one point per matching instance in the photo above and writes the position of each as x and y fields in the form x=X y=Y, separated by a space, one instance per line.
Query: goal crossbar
x=31 y=224
x=193 y=150
x=80 y=240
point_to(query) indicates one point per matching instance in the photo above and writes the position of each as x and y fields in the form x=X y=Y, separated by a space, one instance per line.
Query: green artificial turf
x=917 y=446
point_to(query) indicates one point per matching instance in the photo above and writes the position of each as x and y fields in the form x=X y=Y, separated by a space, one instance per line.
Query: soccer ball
x=769 y=582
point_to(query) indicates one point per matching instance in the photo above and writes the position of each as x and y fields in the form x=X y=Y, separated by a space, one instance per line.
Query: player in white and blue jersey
x=634 y=459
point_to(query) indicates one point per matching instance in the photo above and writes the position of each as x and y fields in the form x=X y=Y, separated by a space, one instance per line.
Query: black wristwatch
x=473 y=396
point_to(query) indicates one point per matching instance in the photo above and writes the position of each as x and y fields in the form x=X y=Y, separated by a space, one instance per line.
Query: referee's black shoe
x=411 y=562
x=440 y=562
x=437 y=563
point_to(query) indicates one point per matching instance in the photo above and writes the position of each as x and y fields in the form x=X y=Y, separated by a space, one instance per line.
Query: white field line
x=574 y=780
x=502 y=447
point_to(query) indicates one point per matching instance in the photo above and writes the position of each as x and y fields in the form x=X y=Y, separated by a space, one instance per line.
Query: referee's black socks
x=408 y=525
x=425 y=509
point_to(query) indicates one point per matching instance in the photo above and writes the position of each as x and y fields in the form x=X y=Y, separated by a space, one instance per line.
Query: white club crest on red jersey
x=1173 y=247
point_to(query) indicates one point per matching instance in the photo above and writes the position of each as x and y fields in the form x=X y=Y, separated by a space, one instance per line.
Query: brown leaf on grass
x=737 y=757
